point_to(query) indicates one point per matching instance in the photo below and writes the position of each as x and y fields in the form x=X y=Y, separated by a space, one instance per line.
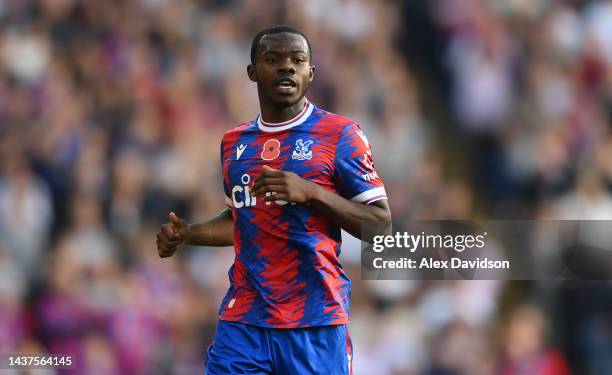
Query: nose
x=286 y=66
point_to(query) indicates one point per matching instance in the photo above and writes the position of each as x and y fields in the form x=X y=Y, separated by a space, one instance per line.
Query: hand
x=286 y=186
x=172 y=236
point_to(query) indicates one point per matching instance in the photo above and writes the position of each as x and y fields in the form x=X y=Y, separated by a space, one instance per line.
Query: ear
x=312 y=71
x=251 y=72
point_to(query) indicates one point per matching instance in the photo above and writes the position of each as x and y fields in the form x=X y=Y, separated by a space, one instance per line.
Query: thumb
x=173 y=218
x=179 y=225
x=270 y=169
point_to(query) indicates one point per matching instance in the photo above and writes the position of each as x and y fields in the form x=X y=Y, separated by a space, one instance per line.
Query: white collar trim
x=297 y=120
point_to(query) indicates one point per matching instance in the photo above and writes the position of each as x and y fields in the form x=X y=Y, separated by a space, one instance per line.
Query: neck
x=275 y=114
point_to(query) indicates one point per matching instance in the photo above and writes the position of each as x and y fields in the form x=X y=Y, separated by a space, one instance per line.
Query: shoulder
x=231 y=136
x=335 y=123
x=235 y=132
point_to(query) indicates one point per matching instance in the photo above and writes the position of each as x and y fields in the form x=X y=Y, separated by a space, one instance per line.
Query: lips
x=285 y=82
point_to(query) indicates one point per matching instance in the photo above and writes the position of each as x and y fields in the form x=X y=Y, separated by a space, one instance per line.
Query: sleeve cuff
x=370 y=196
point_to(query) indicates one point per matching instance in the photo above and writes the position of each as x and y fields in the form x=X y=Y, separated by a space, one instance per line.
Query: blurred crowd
x=528 y=84
x=111 y=115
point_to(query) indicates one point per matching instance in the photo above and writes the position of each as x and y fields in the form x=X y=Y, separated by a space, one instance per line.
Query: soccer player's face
x=282 y=69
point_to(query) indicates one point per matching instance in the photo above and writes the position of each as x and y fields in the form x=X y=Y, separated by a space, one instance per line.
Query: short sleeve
x=354 y=167
x=228 y=200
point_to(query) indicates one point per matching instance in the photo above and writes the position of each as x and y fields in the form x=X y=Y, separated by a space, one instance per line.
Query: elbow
x=386 y=222
x=378 y=222
x=383 y=221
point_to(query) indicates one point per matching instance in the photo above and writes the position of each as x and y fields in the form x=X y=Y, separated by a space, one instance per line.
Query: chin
x=287 y=101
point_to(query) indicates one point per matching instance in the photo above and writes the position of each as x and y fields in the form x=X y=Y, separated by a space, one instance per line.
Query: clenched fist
x=283 y=185
x=172 y=236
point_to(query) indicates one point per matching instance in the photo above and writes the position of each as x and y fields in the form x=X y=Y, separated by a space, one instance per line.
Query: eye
x=299 y=60
x=271 y=60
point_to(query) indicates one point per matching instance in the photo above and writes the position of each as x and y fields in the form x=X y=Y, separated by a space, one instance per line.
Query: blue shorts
x=245 y=349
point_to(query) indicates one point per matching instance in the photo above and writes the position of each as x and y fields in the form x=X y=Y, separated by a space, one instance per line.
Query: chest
x=310 y=156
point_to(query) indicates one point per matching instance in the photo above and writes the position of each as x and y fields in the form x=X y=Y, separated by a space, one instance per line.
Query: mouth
x=285 y=84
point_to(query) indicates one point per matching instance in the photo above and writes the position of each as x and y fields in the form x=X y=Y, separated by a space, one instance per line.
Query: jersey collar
x=297 y=120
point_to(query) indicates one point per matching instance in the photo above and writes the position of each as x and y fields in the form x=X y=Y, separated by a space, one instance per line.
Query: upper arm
x=383 y=212
x=382 y=222
x=382 y=203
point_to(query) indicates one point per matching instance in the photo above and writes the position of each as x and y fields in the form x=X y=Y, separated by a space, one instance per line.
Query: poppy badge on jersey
x=271 y=149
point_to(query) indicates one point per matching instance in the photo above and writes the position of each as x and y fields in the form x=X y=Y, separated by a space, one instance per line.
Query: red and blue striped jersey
x=286 y=272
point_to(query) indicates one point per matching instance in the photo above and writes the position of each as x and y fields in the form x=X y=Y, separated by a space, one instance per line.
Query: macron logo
x=239 y=150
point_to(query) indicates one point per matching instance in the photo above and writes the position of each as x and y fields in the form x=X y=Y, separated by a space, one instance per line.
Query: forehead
x=283 y=43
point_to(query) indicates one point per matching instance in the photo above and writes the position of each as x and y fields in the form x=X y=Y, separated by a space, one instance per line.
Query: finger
x=161 y=247
x=267 y=181
x=162 y=238
x=277 y=197
x=169 y=231
x=166 y=254
x=258 y=186
x=167 y=235
x=271 y=172
x=270 y=180
x=171 y=242
x=263 y=175
x=164 y=248
x=272 y=188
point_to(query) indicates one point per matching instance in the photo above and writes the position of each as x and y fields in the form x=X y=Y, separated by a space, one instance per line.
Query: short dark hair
x=276 y=30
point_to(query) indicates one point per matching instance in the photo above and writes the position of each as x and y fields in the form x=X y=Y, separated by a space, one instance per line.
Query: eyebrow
x=294 y=51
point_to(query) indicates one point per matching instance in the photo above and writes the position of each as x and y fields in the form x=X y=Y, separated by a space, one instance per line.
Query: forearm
x=218 y=231
x=350 y=215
